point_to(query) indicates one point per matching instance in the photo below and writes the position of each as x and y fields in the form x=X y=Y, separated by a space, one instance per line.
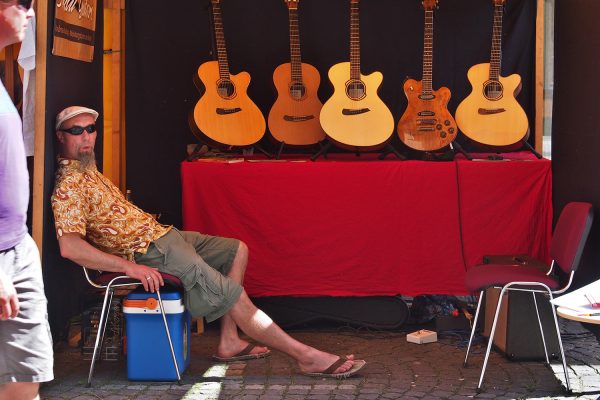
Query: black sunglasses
x=78 y=130
x=26 y=4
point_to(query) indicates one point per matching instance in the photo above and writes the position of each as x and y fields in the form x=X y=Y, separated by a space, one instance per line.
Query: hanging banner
x=74 y=29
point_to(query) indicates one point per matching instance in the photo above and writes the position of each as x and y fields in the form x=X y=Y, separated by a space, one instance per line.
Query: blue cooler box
x=148 y=354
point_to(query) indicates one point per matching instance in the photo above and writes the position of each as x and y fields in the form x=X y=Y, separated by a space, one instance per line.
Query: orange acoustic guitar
x=294 y=117
x=427 y=124
x=355 y=117
x=491 y=115
x=225 y=115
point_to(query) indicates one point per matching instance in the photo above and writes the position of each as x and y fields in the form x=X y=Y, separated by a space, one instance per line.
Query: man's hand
x=150 y=277
x=9 y=303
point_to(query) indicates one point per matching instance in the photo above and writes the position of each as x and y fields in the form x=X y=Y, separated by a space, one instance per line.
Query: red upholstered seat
x=486 y=275
x=568 y=241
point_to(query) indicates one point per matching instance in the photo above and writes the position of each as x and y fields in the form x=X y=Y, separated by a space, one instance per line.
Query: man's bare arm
x=76 y=249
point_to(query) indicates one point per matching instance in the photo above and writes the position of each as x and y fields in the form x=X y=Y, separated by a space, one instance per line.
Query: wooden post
x=539 y=77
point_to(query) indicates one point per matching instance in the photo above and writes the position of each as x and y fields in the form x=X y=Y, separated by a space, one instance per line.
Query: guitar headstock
x=430 y=5
x=215 y=1
x=353 y=1
x=499 y=2
x=292 y=4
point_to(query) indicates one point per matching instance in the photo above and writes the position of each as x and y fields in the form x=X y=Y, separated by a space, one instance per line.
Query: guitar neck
x=354 y=41
x=428 y=53
x=496 y=57
x=295 y=56
x=220 y=40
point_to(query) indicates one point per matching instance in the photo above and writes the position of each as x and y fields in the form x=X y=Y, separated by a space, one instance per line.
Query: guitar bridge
x=354 y=111
x=298 y=118
x=426 y=114
x=426 y=129
x=225 y=111
x=426 y=122
x=489 y=111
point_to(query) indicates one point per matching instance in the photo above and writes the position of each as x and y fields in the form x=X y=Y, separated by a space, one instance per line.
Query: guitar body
x=426 y=124
x=294 y=117
x=361 y=124
x=226 y=116
x=498 y=122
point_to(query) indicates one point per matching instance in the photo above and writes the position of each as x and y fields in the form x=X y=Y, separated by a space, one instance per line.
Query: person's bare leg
x=230 y=343
x=260 y=327
x=19 y=391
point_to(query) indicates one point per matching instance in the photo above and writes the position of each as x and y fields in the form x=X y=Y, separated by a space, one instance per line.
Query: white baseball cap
x=73 y=111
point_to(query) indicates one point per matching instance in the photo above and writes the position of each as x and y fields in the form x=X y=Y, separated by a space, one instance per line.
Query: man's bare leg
x=230 y=343
x=260 y=327
x=19 y=391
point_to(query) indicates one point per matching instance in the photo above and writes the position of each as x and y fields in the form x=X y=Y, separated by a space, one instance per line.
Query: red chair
x=110 y=281
x=568 y=241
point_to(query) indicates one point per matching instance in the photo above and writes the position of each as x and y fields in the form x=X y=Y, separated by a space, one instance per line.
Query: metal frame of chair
x=533 y=287
x=108 y=295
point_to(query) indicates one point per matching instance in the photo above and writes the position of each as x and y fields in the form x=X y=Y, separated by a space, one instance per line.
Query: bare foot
x=232 y=348
x=318 y=361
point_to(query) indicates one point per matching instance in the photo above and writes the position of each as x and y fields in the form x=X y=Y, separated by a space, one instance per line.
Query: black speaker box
x=517 y=330
x=377 y=312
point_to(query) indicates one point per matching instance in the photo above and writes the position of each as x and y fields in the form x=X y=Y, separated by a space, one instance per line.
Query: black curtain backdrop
x=68 y=82
x=167 y=43
x=575 y=132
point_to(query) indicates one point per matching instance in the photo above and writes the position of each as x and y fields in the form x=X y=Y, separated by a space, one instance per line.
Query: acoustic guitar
x=294 y=117
x=355 y=117
x=225 y=115
x=427 y=124
x=491 y=115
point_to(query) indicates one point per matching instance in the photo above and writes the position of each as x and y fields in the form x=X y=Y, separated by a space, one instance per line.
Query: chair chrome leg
x=537 y=312
x=162 y=310
x=473 y=329
x=99 y=334
x=560 y=345
x=491 y=339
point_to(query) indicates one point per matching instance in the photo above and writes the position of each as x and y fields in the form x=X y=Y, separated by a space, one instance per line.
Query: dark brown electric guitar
x=225 y=115
x=427 y=124
x=294 y=117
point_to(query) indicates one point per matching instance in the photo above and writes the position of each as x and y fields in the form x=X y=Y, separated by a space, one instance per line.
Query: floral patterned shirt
x=86 y=202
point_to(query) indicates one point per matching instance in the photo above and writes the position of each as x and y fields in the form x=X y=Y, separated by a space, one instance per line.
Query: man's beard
x=87 y=160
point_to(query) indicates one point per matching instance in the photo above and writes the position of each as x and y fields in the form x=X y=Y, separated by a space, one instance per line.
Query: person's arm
x=9 y=302
x=76 y=249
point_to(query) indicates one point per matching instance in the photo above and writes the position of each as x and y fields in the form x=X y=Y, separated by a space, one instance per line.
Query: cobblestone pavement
x=395 y=369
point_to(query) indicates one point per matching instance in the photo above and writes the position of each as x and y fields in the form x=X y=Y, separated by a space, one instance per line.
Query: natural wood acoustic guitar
x=427 y=124
x=225 y=115
x=294 y=117
x=355 y=117
x=491 y=115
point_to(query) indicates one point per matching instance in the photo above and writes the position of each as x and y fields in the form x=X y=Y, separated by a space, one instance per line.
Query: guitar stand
x=322 y=151
x=528 y=147
x=262 y=150
x=454 y=146
x=391 y=149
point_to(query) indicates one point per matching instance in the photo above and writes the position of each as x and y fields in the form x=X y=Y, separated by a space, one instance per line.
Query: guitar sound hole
x=225 y=88
x=297 y=91
x=492 y=90
x=355 y=90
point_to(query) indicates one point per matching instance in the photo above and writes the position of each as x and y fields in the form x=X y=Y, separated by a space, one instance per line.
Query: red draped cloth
x=357 y=226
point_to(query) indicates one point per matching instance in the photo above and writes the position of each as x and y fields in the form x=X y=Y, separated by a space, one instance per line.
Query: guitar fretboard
x=220 y=39
x=354 y=41
x=428 y=53
x=296 y=59
x=496 y=57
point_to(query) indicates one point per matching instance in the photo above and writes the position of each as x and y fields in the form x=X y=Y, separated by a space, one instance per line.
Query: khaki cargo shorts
x=202 y=262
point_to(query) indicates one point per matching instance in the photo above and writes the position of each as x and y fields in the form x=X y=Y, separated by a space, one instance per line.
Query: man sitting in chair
x=98 y=228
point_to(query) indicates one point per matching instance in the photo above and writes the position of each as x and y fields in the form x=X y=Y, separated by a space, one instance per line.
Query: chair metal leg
x=473 y=329
x=537 y=312
x=560 y=345
x=162 y=310
x=491 y=339
x=100 y=333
